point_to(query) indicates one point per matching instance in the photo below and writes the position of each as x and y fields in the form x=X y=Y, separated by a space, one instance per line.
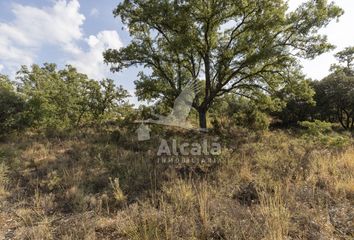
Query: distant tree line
x=334 y=96
x=242 y=54
x=48 y=98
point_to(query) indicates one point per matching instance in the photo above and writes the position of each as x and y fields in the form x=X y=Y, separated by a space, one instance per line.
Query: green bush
x=252 y=118
x=12 y=107
x=238 y=111
x=317 y=127
x=321 y=132
x=63 y=99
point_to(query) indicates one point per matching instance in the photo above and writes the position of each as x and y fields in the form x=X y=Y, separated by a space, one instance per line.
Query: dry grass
x=117 y=191
x=265 y=186
x=276 y=215
x=3 y=180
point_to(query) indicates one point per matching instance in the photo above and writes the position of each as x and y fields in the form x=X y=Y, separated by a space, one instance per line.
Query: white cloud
x=59 y=26
x=33 y=28
x=94 y=12
x=1 y=67
x=91 y=61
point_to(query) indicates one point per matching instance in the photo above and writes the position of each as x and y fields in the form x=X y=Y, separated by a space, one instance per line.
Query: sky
x=76 y=32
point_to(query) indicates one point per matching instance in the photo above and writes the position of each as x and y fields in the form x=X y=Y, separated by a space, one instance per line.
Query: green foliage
x=345 y=57
x=12 y=106
x=239 y=111
x=334 y=96
x=321 y=132
x=248 y=115
x=317 y=127
x=253 y=119
x=62 y=99
x=243 y=47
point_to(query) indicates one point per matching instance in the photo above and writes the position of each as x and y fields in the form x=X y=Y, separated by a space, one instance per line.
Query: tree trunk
x=202 y=118
x=348 y=119
x=340 y=119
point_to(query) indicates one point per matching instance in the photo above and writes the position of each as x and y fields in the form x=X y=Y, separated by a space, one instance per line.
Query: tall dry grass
x=269 y=185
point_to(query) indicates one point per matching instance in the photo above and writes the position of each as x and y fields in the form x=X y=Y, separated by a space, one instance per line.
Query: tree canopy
x=11 y=105
x=334 y=96
x=249 y=48
x=45 y=97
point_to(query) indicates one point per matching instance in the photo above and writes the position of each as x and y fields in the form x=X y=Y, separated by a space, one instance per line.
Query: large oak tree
x=245 y=47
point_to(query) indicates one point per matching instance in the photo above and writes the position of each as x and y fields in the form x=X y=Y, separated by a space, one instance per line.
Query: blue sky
x=63 y=32
x=78 y=31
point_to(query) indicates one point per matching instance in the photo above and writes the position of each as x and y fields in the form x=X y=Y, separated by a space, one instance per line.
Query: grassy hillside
x=106 y=185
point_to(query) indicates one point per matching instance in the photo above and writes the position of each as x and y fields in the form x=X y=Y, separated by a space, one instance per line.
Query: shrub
x=12 y=107
x=317 y=127
x=64 y=99
x=252 y=118
x=238 y=111
x=321 y=132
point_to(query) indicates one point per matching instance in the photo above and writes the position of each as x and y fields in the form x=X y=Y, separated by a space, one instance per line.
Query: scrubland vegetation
x=265 y=185
x=71 y=165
